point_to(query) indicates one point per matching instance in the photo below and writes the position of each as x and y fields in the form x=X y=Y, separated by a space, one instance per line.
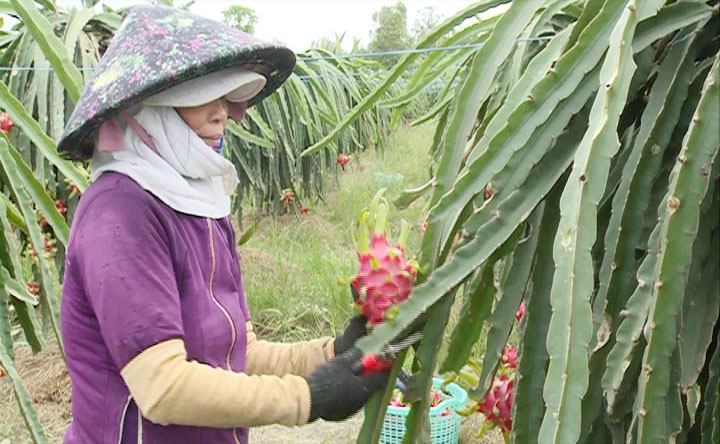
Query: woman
x=156 y=328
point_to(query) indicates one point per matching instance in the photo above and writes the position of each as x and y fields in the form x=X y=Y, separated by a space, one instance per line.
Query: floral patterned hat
x=158 y=47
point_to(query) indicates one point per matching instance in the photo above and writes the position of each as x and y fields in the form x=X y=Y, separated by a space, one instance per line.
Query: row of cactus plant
x=576 y=171
x=265 y=147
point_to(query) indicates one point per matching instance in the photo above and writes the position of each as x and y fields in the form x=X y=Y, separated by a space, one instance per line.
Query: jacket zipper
x=139 y=428
x=122 y=419
x=233 y=333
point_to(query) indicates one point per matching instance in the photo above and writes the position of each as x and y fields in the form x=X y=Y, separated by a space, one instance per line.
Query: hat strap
x=110 y=136
x=237 y=110
x=140 y=131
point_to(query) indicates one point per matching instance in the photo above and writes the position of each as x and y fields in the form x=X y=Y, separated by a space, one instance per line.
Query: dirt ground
x=346 y=432
x=47 y=380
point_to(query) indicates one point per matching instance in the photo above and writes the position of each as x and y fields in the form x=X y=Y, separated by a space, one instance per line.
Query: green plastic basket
x=443 y=429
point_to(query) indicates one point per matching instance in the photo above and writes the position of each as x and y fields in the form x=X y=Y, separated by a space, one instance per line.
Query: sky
x=297 y=23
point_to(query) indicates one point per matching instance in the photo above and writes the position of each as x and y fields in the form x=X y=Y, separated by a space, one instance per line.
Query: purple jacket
x=138 y=273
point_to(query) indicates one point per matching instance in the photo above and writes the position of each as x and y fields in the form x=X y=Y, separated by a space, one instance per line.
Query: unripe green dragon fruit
x=385 y=276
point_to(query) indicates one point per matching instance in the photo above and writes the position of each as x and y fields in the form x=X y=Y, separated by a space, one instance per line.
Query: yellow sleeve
x=169 y=389
x=298 y=358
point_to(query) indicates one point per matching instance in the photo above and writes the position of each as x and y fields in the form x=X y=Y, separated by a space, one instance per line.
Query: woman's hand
x=336 y=392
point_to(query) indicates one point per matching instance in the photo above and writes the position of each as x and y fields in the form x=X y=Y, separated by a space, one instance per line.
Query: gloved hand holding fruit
x=336 y=391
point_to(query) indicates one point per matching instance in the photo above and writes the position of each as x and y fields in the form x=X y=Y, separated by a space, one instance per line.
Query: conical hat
x=158 y=47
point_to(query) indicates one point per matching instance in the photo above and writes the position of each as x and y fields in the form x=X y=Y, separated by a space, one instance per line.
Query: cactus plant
x=605 y=115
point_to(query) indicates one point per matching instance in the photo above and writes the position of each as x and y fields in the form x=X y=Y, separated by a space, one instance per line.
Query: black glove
x=355 y=329
x=336 y=392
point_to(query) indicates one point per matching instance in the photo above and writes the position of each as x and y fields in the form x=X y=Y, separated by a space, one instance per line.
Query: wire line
x=412 y=51
x=335 y=57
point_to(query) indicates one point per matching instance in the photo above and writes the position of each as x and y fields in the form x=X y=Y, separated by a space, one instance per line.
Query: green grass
x=293 y=266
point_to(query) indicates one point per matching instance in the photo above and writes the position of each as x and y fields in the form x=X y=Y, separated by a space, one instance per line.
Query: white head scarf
x=185 y=173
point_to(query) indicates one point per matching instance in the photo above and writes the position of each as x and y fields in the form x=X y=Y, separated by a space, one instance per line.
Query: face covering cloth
x=184 y=172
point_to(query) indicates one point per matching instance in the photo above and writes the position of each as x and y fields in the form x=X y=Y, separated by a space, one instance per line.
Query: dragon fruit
x=343 y=160
x=60 y=206
x=33 y=289
x=385 y=277
x=436 y=398
x=6 y=123
x=287 y=196
x=497 y=404
x=520 y=312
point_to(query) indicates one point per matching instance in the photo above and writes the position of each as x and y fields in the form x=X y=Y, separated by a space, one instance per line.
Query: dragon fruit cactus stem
x=385 y=277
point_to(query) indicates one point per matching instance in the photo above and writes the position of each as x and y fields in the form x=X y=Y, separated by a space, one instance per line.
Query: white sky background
x=297 y=23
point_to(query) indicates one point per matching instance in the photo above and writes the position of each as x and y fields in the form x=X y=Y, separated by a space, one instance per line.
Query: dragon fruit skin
x=436 y=398
x=385 y=277
x=287 y=196
x=6 y=123
x=520 y=312
x=343 y=160
x=497 y=405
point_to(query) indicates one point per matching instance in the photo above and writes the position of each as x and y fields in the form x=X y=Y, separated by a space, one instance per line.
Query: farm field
x=556 y=161
x=304 y=255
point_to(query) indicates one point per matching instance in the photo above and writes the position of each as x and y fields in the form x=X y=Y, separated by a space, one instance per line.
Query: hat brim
x=234 y=84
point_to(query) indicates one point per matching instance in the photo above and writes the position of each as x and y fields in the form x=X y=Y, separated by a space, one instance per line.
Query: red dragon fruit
x=520 y=312
x=385 y=277
x=6 y=123
x=343 y=160
x=436 y=398
x=33 y=289
x=287 y=196
x=497 y=405
x=60 y=206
